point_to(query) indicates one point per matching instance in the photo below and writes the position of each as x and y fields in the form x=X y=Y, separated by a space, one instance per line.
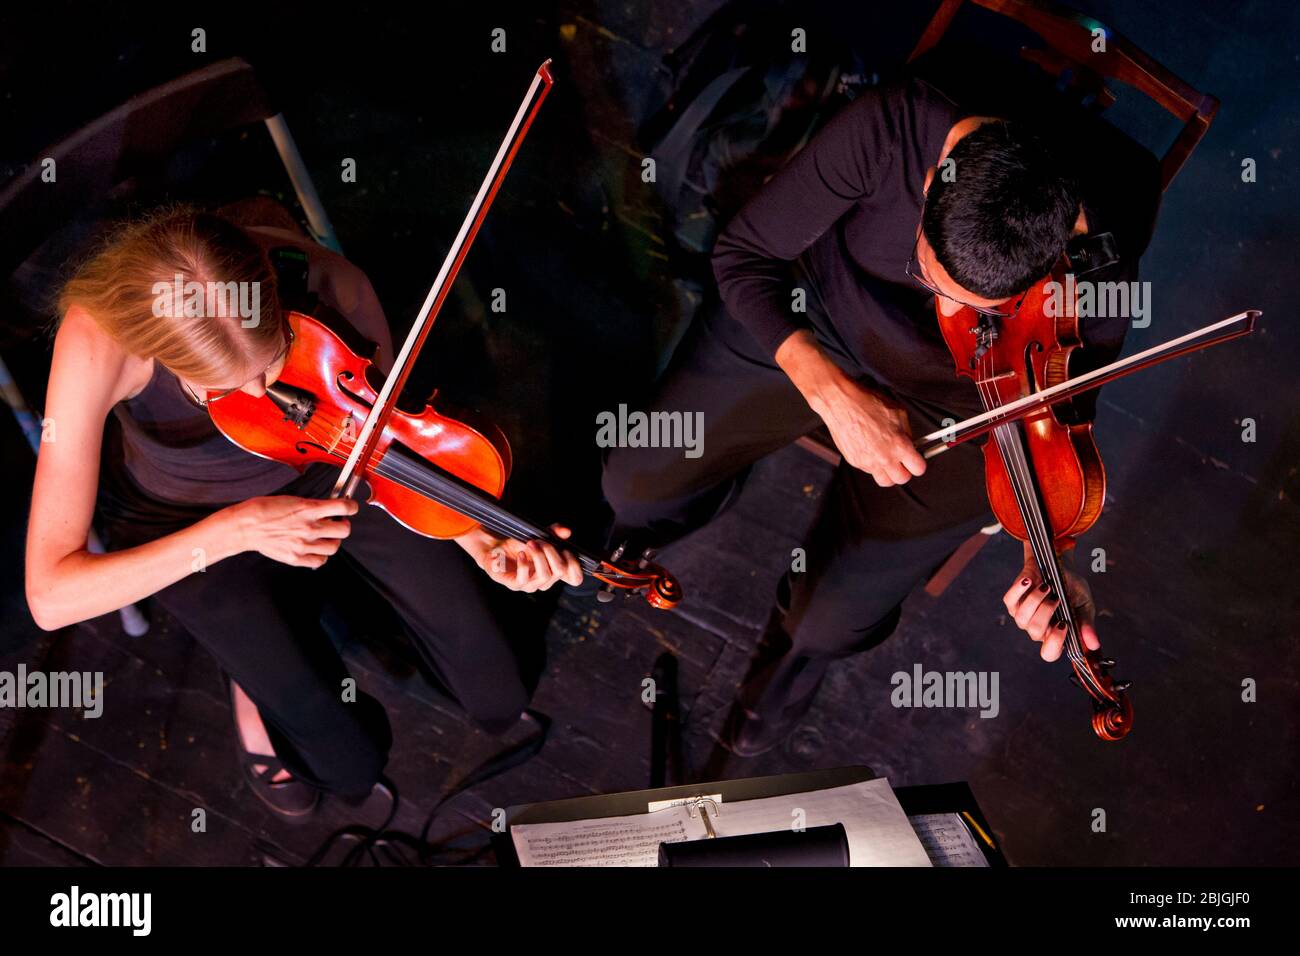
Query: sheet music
x=877 y=828
x=947 y=840
x=609 y=841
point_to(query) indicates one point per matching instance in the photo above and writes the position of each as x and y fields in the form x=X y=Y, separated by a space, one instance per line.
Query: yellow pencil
x=978 y=829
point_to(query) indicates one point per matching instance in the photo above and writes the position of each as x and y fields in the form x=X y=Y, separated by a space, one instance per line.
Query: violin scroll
x=1112 y=711
x=660 y=589
x=664 y=593
x=1113 y=722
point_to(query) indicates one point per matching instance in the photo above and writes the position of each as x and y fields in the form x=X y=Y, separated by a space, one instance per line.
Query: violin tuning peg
x=1106 y=662
x=1122 y=685
x=605 y=594
x=646 y=556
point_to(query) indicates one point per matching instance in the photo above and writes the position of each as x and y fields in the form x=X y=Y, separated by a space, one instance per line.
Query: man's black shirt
x=840 y=220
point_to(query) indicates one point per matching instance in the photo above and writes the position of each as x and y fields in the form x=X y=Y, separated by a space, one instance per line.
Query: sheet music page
x=947 y=840
x=609 y=841
x=877 y=827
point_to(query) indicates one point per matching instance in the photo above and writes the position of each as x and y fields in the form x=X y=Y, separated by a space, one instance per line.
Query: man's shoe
x=749 y=732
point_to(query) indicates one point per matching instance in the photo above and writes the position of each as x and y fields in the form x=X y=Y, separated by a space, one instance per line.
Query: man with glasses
x=829 y=278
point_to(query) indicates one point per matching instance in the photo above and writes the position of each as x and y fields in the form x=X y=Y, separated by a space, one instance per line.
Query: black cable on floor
x=395 y=845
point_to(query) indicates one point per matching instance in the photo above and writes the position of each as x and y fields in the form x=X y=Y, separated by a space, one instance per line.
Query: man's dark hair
x=1006 y=216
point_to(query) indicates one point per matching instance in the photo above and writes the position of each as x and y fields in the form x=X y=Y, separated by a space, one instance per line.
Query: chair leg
x=317 y=219
x=951 y=569
x=822 y=448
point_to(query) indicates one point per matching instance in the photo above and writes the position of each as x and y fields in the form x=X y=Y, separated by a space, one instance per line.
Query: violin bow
x=662 y=590
x=373 y=427
x=1216 y=333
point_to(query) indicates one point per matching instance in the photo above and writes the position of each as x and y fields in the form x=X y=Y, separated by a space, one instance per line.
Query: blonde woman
x=226 y=541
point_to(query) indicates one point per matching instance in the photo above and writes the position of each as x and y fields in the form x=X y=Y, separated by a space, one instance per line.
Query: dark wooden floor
x=123 y=790
x=1200 y=530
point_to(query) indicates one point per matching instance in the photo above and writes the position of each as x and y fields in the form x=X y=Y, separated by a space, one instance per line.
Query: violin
x=434 y=473
x=1045 y=479
x=1044 y=475
x=438 y=475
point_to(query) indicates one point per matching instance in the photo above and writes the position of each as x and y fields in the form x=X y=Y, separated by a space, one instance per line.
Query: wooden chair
x=1071 y=59
x=179 y=137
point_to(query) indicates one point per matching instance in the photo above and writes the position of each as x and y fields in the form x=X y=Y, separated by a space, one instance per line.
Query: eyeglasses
x=982 y=310
x=214 y=396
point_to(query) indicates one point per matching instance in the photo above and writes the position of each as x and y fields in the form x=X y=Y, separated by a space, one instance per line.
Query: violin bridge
x=346 y=428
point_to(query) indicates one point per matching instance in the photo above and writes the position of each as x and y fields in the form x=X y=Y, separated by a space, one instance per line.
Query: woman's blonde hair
x=120 y=287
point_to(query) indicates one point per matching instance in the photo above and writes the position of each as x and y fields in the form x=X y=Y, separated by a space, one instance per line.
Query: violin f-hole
x=1030 y=349
x=342 y=380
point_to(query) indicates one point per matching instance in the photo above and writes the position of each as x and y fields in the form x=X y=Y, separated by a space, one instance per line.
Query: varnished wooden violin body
x=438 y=475
x=1045 y=479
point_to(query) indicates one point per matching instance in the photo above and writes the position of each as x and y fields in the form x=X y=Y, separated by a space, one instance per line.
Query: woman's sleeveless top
x=172 y=451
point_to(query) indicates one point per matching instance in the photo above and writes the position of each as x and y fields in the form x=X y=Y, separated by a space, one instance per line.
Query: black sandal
x=291 y=799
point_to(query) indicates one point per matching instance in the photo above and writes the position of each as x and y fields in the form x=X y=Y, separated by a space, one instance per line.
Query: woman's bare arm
x=65 y=582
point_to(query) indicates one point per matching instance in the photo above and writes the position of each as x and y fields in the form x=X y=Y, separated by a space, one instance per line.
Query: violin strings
x=1015 y=471
x=1012 y=454
x=1019 y=469
x=1012 y=451
x=449 y=494
x=432 y=486
x=488 y=513
x=455 y=496
x=1037 y=532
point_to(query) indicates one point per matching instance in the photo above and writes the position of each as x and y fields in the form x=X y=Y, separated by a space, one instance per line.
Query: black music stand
x=939 y=798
